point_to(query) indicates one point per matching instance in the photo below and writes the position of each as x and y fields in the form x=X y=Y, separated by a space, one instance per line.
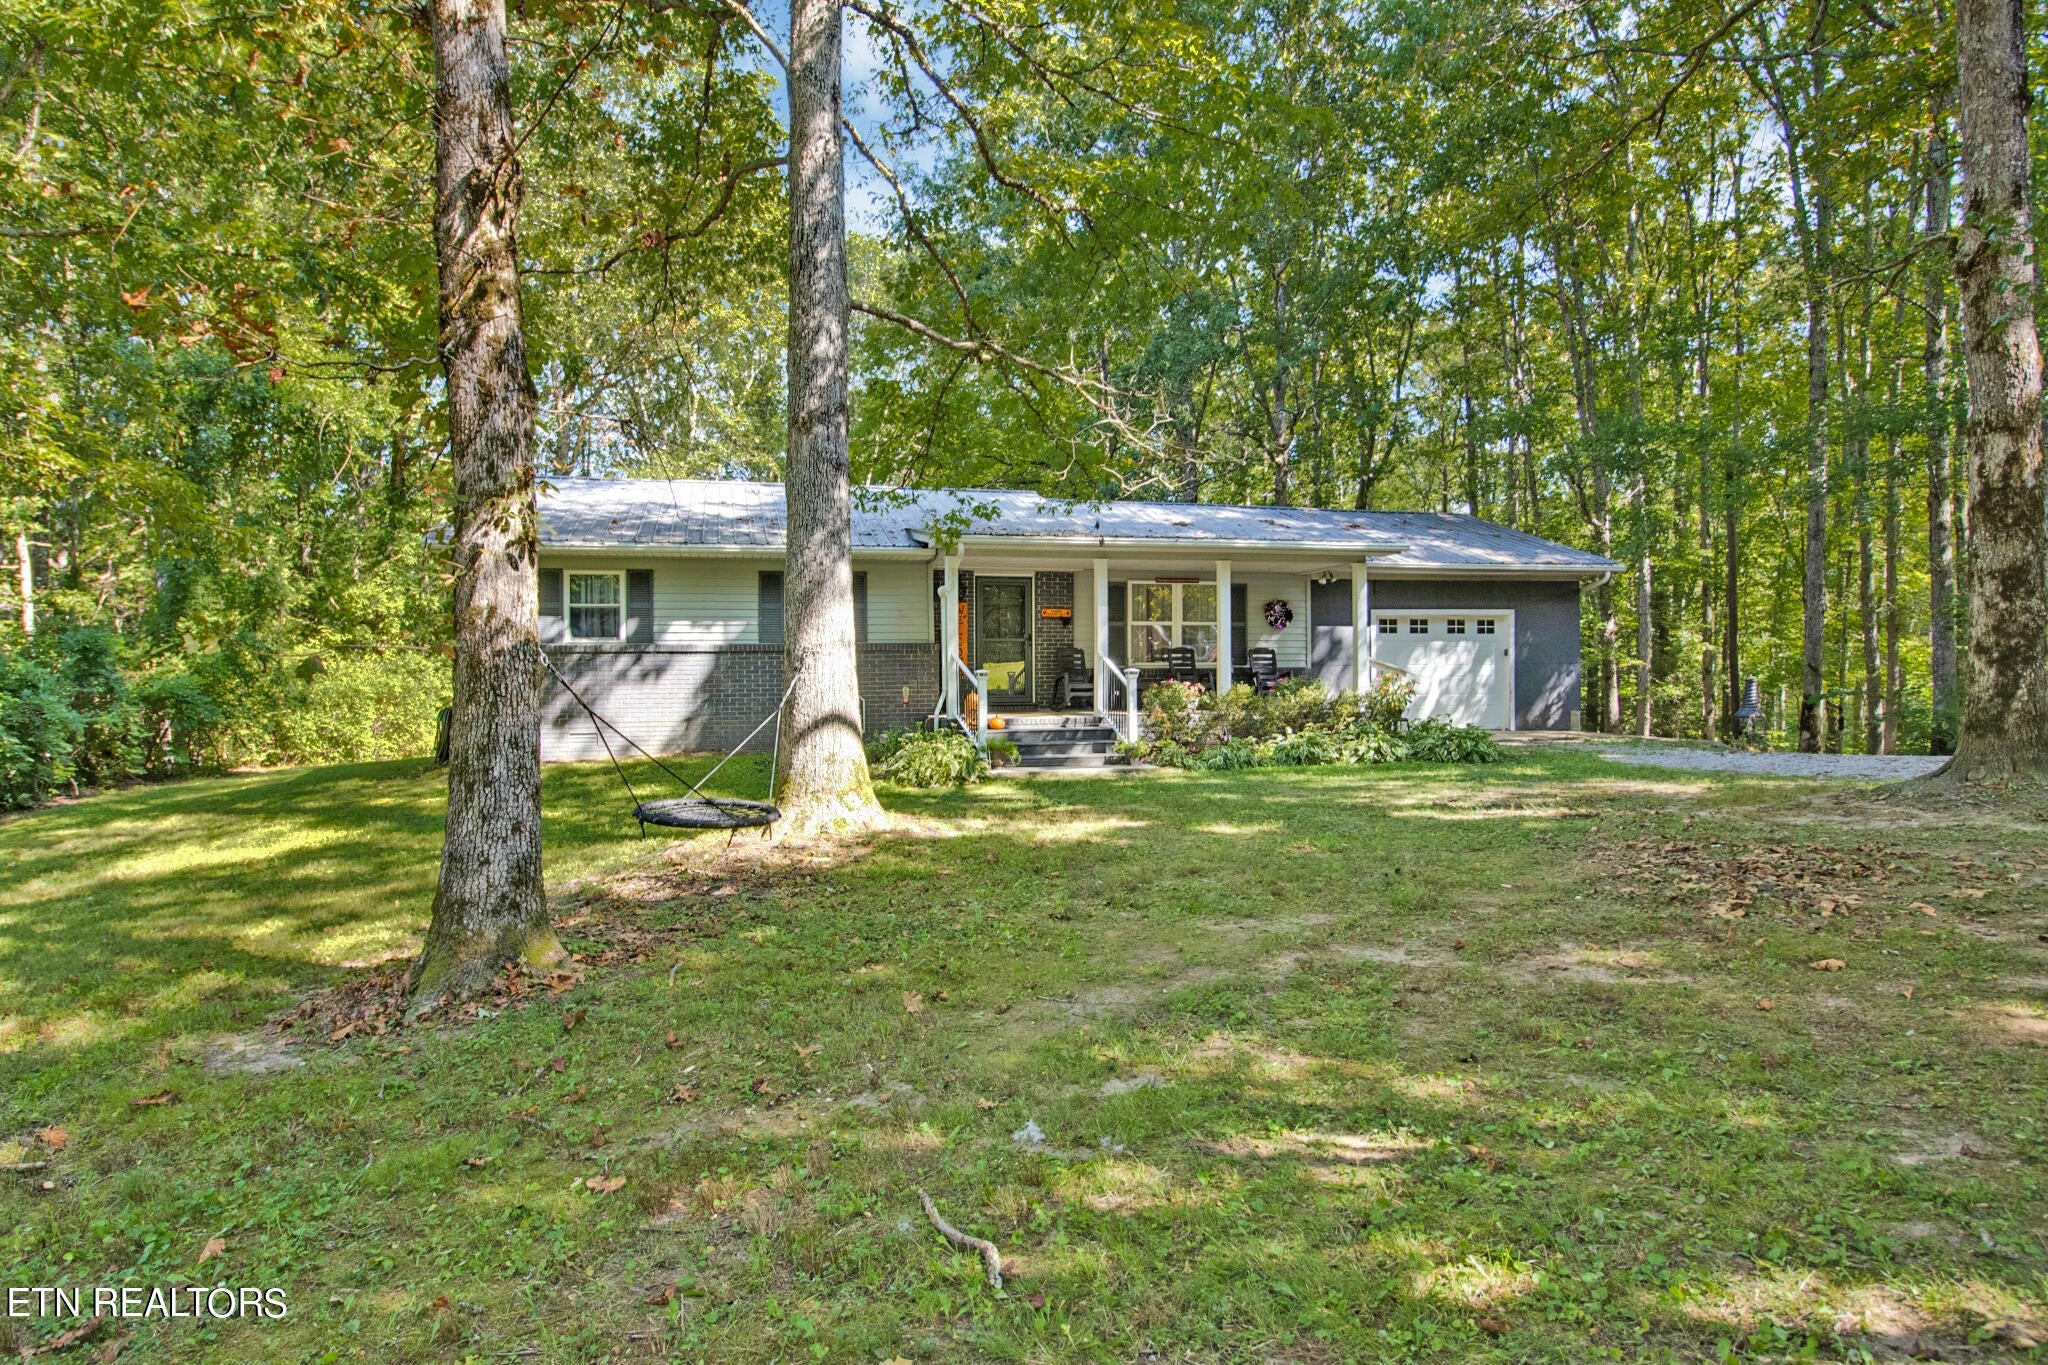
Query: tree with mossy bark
x=824 y=784
x=490 y=908
x=2004 y=732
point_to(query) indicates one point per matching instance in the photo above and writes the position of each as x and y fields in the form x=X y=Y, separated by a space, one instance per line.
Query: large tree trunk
x=824 y=783
x=1941 y=551
x=490 y=908
x=2004 y=734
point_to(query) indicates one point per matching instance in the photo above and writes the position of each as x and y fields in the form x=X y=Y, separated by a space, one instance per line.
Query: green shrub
x=1177 y=713
x=1229 y=756
x=1368 y=744
x=39 y=732
x=177 y=722
x=1304 y=749
x=1437 y=741
x=356 y=706
x=1385 y=705
x=1299 y=723
x=1002 y=753
x=106 y=750
x=925 y=758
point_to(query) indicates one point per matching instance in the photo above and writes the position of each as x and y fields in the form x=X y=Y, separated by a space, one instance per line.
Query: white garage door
x=1462 y=662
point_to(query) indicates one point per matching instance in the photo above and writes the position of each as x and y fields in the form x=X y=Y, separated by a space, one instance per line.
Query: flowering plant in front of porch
x=1175 y=714
x=1299 y=723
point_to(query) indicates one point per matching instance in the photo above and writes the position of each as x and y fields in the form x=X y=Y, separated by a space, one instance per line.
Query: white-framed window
x=1418 y=625
x=1390 y=625
x=1163 y=615
x=597 y=605
x=1483 y=626
x=1454 y=625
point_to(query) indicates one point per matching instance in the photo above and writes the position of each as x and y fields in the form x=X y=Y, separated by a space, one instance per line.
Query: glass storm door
x=1002 y=627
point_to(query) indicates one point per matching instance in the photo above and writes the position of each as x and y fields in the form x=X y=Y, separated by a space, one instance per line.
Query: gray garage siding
x=692 y=700
x=1546 y=635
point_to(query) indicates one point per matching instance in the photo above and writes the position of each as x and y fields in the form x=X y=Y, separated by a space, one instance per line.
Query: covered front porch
x=1037 y=629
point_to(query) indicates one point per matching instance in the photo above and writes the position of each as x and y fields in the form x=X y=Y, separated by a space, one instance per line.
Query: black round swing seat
x=704 y=812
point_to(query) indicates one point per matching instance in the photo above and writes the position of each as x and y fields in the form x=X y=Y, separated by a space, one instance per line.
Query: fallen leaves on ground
x=1728 y=880
x=160 y=1097
x=913 y=1002
x=1828 y=964
x=605 y=1184
x=54 y=1138
x=214 y=1247
x=629 y=921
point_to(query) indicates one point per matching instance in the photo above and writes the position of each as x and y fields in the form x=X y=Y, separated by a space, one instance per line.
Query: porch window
x=596 y=606
x=1163 y=615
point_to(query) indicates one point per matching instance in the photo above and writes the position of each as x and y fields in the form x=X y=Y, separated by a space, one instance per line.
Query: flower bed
x=1300 y=722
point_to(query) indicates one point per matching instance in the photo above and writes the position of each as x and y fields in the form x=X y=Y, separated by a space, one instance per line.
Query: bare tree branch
x=902 y=34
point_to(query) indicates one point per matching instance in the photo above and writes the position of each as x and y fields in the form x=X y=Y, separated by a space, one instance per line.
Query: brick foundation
x=706 y=700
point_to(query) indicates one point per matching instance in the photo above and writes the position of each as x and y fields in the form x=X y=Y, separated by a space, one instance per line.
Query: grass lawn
x=1517 y=1063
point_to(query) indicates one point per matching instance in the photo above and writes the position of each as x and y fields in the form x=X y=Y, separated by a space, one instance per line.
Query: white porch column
x=1223 y=640
x=949 y=635
x=1361 y=628
x=1102 y=636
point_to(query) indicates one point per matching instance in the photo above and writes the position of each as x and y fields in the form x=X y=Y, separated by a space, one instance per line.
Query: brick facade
x=1050 y=639
x=697 y=700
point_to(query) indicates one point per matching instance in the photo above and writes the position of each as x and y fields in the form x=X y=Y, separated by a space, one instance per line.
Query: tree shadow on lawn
x=198 y=905
x=1323 y=1153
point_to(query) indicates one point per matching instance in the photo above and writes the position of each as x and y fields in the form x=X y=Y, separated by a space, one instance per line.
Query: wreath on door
x=1279 y=613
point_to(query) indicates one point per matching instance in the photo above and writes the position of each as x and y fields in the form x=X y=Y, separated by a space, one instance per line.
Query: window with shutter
x=1119 y=616
x=860 y=608
x=1240 y=623
x=640 y=606
x=768 y=618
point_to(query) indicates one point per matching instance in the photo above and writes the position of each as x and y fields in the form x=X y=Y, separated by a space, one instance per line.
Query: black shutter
x=1119 y=618
x=551 y=592
x=640 y=606
x=1240 y=623
x=769 y=616
x=860 y=608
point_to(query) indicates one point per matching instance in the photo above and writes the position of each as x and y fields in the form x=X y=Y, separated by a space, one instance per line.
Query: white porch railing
x=1128 y=731
x=978 y=679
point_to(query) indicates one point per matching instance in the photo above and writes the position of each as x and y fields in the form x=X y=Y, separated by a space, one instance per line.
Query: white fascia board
x=1435 y=571
x=1182 y=546
x=719 y=551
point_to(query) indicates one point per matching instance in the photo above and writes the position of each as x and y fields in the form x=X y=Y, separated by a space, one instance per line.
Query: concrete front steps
x=1056 y=740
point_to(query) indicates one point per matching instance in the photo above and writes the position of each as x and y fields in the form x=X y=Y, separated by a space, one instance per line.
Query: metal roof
x=733 y=514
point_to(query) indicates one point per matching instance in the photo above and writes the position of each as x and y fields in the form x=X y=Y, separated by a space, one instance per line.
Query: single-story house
x=661 y=602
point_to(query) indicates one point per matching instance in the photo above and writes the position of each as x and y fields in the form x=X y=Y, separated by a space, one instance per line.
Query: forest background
x=1672 y=284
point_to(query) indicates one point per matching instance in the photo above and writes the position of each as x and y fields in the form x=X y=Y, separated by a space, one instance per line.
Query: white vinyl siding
x=899 y=601
x=1289 y=646
x=702 y=602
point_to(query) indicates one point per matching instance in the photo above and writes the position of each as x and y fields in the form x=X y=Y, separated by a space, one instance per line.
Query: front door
x=1002 y=637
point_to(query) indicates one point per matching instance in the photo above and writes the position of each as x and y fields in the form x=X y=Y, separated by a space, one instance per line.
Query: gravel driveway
x=1858 y=767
